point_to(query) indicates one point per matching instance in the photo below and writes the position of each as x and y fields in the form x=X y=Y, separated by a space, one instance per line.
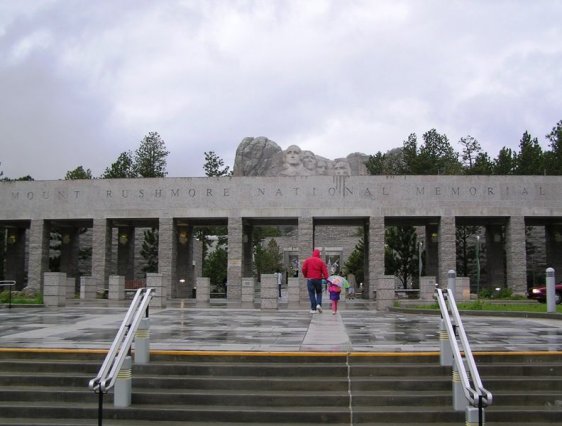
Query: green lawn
x=497 y=306
x=19 y=299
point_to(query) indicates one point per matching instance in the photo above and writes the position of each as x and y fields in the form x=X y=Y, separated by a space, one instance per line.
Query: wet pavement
x=357 y=327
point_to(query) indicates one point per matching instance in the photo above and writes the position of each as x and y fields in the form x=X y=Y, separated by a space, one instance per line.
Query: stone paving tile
x=357 y=327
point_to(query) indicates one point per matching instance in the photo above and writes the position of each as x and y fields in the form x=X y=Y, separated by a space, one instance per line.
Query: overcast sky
x=82 y=81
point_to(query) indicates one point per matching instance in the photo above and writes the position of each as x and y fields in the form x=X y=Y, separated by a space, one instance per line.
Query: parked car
x=539 y=293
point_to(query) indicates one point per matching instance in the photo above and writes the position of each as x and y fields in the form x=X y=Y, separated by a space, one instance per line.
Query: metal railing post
x=445 y=352
x=100 y=408
x=474 y=416
x=460 y=402
x=123 y=384
x=452 y=282
x=142 y=342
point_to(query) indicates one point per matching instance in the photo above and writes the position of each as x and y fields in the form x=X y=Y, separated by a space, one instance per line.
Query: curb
x=542 y=315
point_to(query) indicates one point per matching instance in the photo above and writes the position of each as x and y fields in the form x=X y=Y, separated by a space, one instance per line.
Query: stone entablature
x=288 y=196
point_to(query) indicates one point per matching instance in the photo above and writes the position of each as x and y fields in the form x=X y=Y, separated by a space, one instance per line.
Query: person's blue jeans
x=314 y=293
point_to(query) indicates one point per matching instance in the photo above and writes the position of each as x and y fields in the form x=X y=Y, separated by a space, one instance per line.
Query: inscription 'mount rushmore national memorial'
x=28 y=200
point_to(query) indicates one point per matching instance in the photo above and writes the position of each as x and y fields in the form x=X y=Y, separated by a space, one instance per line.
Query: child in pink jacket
x=334 y=291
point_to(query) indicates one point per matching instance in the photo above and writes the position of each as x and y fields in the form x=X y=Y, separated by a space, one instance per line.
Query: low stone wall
x=248 y=289
x=87 y=288
x=54 y=290
x=385 y=293
x=156 y=281
x=269 y=291
x=293 y=291
x=203 y=293
x=116 y=287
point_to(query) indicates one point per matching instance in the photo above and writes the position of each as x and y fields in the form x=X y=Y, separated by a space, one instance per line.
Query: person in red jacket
x=315 y=270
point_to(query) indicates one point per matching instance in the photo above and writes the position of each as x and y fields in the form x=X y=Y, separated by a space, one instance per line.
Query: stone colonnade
x=112 y=209
x=168 y=266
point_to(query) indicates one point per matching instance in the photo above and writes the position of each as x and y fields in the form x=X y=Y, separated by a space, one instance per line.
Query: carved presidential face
x=308 y=160
x=341 y=168
x=322 y=167
x=293 y=155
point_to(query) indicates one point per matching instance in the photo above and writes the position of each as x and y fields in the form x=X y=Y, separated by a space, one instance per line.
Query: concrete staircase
x=51 y=387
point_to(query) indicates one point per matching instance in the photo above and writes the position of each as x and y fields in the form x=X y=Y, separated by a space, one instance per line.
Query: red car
x=539 y=293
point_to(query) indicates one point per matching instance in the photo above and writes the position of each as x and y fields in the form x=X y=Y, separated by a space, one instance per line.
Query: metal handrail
x=473 y=389
x=121 y=346
x=9 y=283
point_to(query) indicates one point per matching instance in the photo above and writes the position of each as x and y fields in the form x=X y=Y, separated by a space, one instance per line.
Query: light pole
x=478 y=266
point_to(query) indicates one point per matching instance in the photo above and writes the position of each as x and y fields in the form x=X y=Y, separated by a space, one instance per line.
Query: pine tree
x=504 y=164
x=149 y=250
x=214 y=165
x=553 y=158
x=530 y=160
x=78 y=173
x=123 y=167
x=150 y=157
x=401 y=253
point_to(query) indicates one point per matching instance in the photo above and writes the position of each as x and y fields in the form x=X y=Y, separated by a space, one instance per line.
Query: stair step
x=276 y=390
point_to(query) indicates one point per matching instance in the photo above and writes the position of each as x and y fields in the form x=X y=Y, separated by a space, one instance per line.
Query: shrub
x=19 y=298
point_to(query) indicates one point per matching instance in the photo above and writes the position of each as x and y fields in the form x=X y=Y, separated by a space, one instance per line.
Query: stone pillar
x=156 y=281
x=167 y=249
x=54 y=289
x=495 y=257
x=15 y=257
x=553 y=241
x=447 y=248
x=38 y=253
x=516 y=257
x=385 y=292
x=116 y=289
x=122 y=391
x=427 y=288
x=248 y=290
x=101 y=253
x=142 y=342
x=204 y=291
x=306 y=245
x=87 y=288
x=269 y=291
x=234 y=268
x=293 y=291
x=374 y=255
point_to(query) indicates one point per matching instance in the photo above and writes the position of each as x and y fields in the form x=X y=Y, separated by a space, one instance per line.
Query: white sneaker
x=319 y=308
x=312 y=311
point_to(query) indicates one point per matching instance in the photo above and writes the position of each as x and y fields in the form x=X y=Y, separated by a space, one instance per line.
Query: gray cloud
x=83 y=81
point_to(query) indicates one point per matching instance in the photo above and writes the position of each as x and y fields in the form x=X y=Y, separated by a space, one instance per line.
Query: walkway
x=358 y=327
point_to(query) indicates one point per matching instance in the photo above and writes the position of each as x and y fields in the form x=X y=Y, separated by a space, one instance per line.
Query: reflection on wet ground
x=225 y=328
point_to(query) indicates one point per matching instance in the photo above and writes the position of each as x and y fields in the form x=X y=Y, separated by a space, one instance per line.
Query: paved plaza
x=357 y=327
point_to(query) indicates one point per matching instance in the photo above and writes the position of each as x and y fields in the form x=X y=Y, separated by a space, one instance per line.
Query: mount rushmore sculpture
x=263 y=157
